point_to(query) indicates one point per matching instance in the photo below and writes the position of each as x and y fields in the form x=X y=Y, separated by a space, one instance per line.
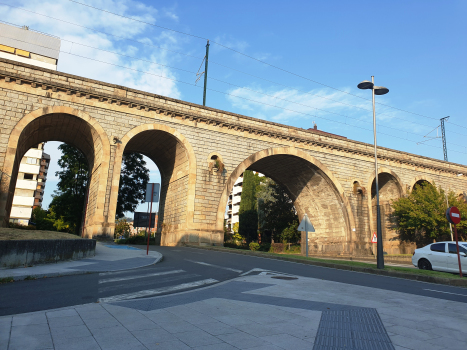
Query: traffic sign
x=155 y=194
x=374 y=239
x=306 y=225
x=453 y=215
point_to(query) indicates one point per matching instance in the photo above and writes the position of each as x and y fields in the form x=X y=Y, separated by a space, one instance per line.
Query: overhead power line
x=217 y=63
x=251 y=57
x=229 y=94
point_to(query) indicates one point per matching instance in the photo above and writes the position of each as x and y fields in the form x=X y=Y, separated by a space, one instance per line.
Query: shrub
x=277 y=248
x=254 y=246
x=265 y=247
x=235 y=245
x=21 y=227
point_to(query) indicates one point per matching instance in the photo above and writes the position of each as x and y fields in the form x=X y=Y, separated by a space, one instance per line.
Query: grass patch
x=365 y=265
x=6 y=280
x=9 y=234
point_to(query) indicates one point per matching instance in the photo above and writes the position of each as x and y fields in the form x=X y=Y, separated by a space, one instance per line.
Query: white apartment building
x=28 y=46
x=30 y=184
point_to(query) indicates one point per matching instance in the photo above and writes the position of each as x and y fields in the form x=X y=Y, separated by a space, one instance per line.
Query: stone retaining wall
x=43 y=251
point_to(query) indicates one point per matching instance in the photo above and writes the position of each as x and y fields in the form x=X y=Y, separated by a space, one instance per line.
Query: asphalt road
x=184 y=269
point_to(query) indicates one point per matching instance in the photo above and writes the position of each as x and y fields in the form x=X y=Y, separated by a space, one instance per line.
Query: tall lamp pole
x=376 y=90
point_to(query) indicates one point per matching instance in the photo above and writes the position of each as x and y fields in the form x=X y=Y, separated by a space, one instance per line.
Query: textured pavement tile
x=179 y=327
x=287 y=341
x=150 y=336
x=64 y=333
x=61 y=313
x=31 y=329
x=217 y=328
x=242 y=340
x=31 y=342
x=197 y=338
x=84 y=343
x=67 y=321
x=22 y=320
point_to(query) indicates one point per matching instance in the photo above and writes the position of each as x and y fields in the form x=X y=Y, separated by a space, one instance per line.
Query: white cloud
x=155 y=80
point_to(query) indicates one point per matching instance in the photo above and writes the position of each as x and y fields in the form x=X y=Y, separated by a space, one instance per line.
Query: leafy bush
x=21 y=227
x=277 y=248
x=265 y=247
x=254 y=246
x=235 y=245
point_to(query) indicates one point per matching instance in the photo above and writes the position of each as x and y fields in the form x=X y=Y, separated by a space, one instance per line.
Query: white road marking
x=440 y=291
x=117 y=279
x=154 y=292
x=217 y=266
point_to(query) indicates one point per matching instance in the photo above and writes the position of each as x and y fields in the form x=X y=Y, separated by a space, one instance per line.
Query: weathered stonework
x=329 y=177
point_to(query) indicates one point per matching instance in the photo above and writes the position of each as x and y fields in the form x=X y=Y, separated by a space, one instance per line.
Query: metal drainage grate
x=284 y=278
x=359 y=329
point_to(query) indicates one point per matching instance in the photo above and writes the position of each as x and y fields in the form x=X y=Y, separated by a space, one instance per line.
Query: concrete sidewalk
x=261 y=310
x=109 y=257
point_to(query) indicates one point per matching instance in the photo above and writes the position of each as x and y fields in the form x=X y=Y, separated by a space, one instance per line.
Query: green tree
x=133 y=180
x=122 y=228
x=420 y=217
x=67 y=205
x=277 y=210
x=248 y=215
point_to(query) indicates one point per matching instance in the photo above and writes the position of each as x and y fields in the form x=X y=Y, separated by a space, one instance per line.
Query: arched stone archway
x=175 y=158
x=314 y=190
x=390 y=188
x=73 y=127
x=418 y=181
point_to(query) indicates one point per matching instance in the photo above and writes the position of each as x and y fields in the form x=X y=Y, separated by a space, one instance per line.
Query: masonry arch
x=313 y=188
x=390 y=188
x=175 y=158
x=76 y=128
x=418 y=180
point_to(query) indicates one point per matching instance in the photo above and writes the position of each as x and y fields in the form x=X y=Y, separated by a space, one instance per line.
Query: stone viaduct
x=330 y=178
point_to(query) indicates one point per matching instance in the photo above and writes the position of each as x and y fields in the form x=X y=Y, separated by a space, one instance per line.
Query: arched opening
x=174 y=158
x=421 y=182
x=360 y=211
x=389 y=189
x=73 y=128
x=313 y=190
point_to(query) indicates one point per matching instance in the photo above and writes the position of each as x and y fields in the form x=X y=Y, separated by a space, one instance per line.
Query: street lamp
x=376 y=90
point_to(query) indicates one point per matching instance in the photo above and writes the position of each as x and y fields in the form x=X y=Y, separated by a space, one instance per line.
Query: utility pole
x=445 y=149
x=206 y=73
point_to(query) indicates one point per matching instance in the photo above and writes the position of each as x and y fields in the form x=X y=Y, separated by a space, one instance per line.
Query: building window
x=28 y=176
x=31 y=161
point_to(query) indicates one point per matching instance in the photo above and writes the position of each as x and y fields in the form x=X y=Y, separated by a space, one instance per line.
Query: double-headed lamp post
x=376 y=90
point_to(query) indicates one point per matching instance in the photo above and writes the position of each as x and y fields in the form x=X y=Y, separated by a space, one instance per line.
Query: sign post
x=454 y=217
x=152 y=194
x=306 y=226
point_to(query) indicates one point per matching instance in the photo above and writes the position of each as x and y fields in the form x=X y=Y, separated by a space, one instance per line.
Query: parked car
x=441 y=256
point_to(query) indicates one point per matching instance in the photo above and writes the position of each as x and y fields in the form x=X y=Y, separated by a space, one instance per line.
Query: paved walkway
x=109 y=257
x=260 y=310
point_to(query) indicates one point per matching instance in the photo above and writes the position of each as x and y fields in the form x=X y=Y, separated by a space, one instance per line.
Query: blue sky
x=417 y=49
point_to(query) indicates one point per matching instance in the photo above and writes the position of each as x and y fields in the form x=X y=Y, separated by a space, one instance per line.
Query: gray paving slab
x=217 y=328
x=242 y=340
x=31 y=342
x=197 y=338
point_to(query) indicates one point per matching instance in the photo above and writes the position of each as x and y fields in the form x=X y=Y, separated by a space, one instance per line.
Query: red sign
x=453 y=215
x=374 y=239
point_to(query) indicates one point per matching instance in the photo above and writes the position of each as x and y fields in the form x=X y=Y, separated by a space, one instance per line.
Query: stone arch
x=390 y=188
x=176 y=160
x=419 y=179
x=72 y=126
x=312 y=187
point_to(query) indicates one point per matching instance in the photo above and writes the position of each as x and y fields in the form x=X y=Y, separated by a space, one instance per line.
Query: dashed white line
x=154 y=292
x=440 y=291
x=117 y=279
x=212 y=265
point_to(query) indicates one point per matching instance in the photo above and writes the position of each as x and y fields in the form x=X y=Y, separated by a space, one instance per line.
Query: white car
x=441 y=256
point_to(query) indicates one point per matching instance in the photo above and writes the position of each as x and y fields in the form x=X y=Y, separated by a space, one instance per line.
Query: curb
x=419 y=278
x=82 y=272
